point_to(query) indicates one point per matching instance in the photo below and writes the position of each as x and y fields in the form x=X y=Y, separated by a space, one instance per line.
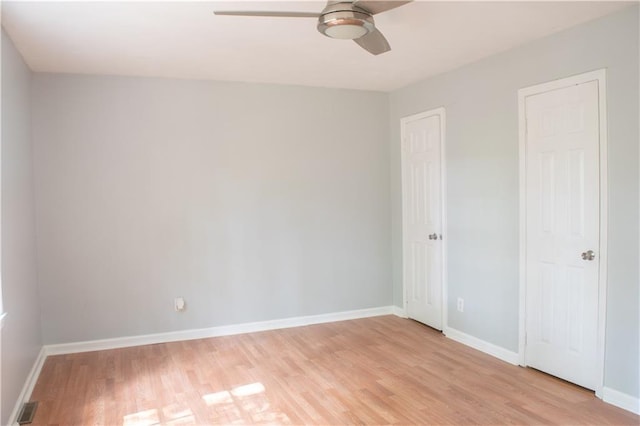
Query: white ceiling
x=185 y=40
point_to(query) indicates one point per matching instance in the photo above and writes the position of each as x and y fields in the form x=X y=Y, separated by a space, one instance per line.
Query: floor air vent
x=27 y=413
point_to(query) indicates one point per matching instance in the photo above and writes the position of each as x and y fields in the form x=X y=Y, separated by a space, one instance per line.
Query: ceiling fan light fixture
x=346 y=30
x=345 y=21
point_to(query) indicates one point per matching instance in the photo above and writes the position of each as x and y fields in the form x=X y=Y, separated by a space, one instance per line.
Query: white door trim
x=443 y=173
x=600 y=77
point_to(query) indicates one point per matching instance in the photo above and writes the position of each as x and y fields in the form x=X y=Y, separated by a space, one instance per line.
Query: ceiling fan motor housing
x=345 y=21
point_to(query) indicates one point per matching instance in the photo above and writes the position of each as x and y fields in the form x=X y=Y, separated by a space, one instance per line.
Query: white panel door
x=422 y=217
x=563 y=232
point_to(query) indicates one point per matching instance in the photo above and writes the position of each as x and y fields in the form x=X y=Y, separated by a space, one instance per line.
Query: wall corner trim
x=481 y=345
x=399 y=312
x=29 y=384
x=621 y=400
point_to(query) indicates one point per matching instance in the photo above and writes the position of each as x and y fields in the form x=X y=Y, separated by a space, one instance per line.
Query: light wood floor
x=380 y=370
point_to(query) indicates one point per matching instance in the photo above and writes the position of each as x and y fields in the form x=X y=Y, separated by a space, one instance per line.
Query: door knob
x=588 y=255
x=433 y=236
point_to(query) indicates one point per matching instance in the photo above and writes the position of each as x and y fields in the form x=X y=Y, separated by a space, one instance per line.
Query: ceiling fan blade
x=374 y=42
x=379 y=6
x=267 y=14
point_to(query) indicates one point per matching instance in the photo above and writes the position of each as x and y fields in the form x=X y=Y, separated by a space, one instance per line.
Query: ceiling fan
x=351 y=20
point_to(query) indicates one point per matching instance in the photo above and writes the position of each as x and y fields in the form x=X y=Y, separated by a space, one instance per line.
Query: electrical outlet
x=460 y=304
x=178 y=304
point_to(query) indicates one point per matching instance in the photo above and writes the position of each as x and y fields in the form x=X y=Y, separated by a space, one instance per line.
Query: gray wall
x=482 y=178
x=21 y=340
x=253 y=202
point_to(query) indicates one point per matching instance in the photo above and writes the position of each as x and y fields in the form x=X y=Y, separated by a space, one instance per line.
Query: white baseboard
x=399 y=312
x=621 y=399
x=29 y=384
x=610 y=396
x=225 y=330
x=481 y=345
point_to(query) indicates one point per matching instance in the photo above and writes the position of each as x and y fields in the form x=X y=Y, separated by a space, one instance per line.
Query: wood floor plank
x=383 y=370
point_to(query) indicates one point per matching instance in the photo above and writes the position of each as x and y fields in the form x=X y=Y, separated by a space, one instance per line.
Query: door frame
x=600 y=77
x=443 y=220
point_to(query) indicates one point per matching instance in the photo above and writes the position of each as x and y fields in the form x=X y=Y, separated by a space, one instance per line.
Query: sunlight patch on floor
x=142 y=418
x=227 y=397
x=222 y=397
x=248 y=390
x=174 y=414
x=244 y=403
